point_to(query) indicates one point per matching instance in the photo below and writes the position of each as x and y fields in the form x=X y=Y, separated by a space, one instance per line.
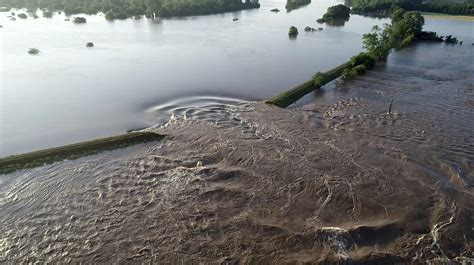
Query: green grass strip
x=73 y=151
x=289 y=97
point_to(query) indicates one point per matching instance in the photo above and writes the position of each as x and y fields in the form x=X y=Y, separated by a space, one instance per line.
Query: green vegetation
x=79 y=20
x=404 y=29
x=295 y=4
x=466 y=9
x=5 y=9
x=47 y=14
x=22 y=16
x=293 y=31
x=289 y=97
x=383 y=7
x=34 y=51
x=359 y=65
x=121 y=9
x=334 y=13
x=430 y=36
x=451 y=39
x=74 y=151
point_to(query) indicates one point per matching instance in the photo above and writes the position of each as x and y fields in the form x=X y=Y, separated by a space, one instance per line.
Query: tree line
x=383 y=7
x=130 y=8
x=295 y=4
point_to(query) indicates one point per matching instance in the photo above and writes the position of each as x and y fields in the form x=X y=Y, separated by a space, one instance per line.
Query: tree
x=377 y=42
x=293 y=31
x=153 y=8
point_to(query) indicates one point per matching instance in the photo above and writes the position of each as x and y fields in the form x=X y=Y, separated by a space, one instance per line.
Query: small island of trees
x=295 y=4
x=79 y=20
x=33 y=51
x=293 y=32
x=122 y=9
x=336 y=13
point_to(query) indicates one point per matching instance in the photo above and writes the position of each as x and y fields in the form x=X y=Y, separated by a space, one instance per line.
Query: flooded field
x=337 y=179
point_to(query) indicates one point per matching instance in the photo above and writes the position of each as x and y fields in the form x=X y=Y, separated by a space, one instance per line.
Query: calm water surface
x=141 y=68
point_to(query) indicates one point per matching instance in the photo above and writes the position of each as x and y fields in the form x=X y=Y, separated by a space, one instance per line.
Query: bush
x=429 y=36
x=451 y=39
x=79 y=20
x=23 y=16
x=365 y=59
x=110 y=15
x=360 y=69
x=406 y=41
x=33 y=51
x=47 y=14
x=121 y=16
x=320 y=78
x=293 y=31
x=348 y=74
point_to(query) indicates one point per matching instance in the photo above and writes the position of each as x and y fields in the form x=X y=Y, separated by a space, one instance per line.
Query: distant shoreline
x=448 y=17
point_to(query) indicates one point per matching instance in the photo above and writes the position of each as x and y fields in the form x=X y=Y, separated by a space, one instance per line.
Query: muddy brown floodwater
x=337 y=180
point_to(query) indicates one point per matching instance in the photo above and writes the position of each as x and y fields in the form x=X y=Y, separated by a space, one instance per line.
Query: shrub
x=320 y=78
x=121 y=16
x=451 y=39
x=360 y=69
x=365 y=59
x=293 y=31
x=47 y=14
x=79 y=20
x=23 y=16
x=33 y=51
x=348 y=74
x=110 y=15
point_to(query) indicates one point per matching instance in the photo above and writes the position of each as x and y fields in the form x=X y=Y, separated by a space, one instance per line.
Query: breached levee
x=73 y=151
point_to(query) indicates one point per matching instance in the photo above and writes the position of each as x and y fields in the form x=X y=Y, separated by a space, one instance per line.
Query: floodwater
x=70 y=93
x=332 y=181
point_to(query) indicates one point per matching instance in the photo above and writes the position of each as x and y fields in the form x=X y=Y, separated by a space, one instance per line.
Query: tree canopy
x=131 y=8
x=334 y=13
x=384 y=6
x=295 y=4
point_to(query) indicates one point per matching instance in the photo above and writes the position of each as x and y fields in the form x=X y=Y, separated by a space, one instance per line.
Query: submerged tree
x=79 y=20
x=293 y=31
x=33 y=51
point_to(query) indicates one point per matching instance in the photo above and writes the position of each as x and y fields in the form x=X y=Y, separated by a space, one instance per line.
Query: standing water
x=69 y=93
x=337 y=179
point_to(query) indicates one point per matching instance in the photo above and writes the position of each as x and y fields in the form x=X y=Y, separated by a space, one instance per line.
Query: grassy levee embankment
x=288 y=97
x=73 y=151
